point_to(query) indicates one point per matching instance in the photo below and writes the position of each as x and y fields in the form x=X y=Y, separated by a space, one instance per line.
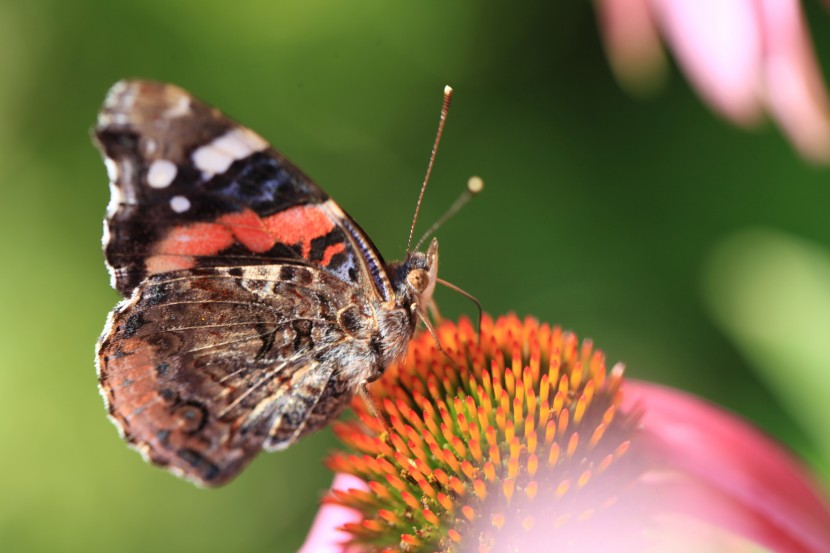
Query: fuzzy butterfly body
x=254 y=307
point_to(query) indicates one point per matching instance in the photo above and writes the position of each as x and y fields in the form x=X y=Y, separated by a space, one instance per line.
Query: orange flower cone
x=526 y=442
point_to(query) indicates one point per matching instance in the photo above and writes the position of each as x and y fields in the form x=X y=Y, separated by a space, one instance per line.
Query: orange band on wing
x=249 y=230
x=300 y=224
x=182 y=245
x=296 y=225
x=331 y=251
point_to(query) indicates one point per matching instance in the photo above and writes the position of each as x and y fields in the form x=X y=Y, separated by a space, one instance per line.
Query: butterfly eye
x=417 y=279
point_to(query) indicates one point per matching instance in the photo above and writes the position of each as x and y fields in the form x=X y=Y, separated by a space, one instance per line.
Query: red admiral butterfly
x=254 y=309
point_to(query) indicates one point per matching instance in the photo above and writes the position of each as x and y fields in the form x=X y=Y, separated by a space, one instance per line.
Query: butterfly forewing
x=192 y=188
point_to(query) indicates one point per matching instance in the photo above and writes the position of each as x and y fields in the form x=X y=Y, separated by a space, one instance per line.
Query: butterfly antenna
x=474 y=186
x=467 y=295
x=445 y=108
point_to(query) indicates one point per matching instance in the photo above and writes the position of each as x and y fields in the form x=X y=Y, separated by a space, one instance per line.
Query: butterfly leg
x=316 y=398
x=372 y=407
x=433 y=311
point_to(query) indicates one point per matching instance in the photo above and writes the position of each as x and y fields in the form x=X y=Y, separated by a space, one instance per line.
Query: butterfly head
x=421 y=277
x=416 y=278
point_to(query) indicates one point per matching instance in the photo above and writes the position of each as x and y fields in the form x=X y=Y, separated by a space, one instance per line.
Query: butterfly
x=254 y=307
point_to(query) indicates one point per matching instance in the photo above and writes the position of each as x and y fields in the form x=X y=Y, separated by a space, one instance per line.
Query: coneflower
x=522 y=440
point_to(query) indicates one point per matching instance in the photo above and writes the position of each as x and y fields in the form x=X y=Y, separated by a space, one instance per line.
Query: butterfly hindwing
x=203 y=368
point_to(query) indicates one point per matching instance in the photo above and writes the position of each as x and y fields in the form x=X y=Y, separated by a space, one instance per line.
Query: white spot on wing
x=239 y=143
x=216 y=157
x=161 y=173
x=211 y=161
x=179 y=204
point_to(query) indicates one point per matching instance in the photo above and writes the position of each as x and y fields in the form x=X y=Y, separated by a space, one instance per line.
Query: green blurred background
x=694 y=251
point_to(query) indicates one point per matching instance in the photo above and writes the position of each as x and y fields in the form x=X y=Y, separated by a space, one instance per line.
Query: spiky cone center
x=518 y=436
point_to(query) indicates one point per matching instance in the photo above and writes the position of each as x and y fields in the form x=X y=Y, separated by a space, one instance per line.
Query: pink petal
x=632 y=42
x=325 y=535
x=743 y=481
x=794 y=84
x=719 y=45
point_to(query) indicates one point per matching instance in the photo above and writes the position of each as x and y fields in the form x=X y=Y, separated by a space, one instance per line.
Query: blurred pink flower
x=605 y=464
x=744 y=57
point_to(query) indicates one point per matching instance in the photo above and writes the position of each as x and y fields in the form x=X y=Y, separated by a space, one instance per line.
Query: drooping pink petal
x=794 y=85
x=719 y=45
x=632 y=41
x=325 y=535
x=742 y=480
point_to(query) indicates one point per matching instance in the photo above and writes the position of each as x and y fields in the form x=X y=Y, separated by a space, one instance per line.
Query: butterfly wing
x=192 y=188
x=252 y=299
x=203 y=368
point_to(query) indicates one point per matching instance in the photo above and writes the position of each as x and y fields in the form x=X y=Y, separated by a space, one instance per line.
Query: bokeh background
x=695 y=252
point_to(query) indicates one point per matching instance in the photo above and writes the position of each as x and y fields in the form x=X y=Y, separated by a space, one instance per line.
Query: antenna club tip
x=475 y=184
x=447 y=90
